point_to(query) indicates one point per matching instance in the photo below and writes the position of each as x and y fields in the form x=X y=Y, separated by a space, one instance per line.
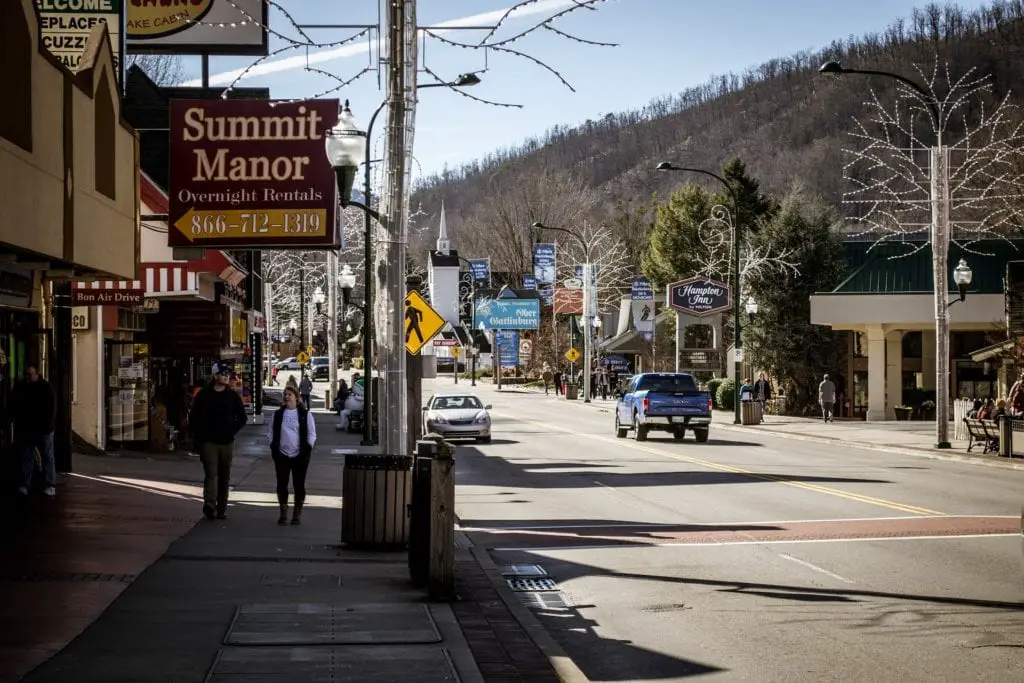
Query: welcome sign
x=65 y=25
x=508 y=314
x=699 y=296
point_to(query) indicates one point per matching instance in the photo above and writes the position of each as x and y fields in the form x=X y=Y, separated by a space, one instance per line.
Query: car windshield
x=320 y=360
x=457 y=403
x=667 y=384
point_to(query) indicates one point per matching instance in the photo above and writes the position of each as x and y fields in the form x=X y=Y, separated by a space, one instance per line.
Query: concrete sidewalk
x=241 y=599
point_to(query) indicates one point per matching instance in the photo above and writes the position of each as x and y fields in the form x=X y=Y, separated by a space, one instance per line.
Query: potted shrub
x=903 y=412
x=927 y=411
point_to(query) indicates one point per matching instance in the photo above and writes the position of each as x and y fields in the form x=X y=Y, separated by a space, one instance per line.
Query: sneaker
x=209 y=511
x=222 y=515
x=23 y=490
x=49 y=492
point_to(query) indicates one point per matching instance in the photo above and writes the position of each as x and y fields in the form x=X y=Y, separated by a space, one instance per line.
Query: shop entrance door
x=127 y=392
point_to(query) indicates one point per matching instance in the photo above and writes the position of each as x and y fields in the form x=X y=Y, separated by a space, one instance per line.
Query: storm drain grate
x=523 y=570
x=544 y=600
x=522 y=585
x=80 y=577
x=301 y=580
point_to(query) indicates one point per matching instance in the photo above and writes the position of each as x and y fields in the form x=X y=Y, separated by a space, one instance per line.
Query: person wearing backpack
x=292 y=436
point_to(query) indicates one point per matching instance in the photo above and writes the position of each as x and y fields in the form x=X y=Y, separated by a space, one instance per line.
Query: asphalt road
x=749 y=558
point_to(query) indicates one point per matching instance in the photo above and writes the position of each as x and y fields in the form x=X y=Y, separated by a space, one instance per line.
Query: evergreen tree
x=674 y=238
x=780 y=338
x=755 y=206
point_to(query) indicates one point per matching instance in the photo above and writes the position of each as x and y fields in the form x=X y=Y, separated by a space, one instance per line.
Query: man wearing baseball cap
x=217 y=416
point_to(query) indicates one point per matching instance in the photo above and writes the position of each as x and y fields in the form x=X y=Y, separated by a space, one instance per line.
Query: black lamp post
x=737 y=341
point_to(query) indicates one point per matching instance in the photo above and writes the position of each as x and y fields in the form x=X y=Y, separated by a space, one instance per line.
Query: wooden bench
x=985 y=432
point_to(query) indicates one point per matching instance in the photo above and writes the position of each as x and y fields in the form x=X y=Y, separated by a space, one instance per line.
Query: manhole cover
x=531 y=584
x=321 y=664
x=544 y=600
x=332 y=624
x=523 y=570
x=301 y=580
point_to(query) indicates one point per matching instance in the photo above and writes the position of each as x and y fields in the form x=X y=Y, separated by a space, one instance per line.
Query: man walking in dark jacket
x=217 y=416
x=34 y=410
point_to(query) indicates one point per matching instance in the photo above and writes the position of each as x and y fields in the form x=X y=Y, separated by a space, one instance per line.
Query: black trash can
x=375 y=493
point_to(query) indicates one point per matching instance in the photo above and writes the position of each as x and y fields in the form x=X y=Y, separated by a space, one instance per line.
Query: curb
x=564 y=667
x=984 y=460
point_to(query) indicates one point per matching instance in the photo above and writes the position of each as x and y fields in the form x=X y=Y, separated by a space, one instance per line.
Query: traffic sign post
x=572 y=355
x=422 y=323
x=303 y=357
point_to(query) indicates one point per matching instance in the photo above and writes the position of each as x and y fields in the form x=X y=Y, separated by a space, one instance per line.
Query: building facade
x=69 y=194
x=886 y=307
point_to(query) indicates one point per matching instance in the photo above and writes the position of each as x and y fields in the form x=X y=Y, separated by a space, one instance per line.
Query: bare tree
x=890 y=171
x=612 y=262
x=161 y=69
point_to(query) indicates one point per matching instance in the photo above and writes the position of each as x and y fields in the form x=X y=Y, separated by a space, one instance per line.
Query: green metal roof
x=887 y=269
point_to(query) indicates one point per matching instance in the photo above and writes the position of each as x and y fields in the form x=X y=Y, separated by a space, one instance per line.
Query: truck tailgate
x=683 y=403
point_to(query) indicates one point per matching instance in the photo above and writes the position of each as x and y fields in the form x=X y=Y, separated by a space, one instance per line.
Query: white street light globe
x=962 y=274
x=751 y=306
x=318 y=296
x=347 y=279
x=345 y=144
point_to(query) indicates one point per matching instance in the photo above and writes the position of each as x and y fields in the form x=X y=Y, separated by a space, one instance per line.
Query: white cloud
x=360 y=48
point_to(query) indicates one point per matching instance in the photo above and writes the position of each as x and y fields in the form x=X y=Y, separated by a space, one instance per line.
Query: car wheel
x=620 y=431
x=701 y=435
x=639 y=430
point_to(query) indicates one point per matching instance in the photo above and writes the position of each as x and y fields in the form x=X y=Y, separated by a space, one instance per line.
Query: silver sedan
x=460 y=416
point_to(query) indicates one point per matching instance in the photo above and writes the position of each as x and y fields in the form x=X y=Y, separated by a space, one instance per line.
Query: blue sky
x=664 y=47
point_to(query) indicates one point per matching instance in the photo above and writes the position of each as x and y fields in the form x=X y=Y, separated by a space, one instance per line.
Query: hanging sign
x=65 y=25
x=251 y=174
x=699 y=296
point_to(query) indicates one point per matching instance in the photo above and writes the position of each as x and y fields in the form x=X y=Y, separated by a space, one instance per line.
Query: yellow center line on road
x=828 y=490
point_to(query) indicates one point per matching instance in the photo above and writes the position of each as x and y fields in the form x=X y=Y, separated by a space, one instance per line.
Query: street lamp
x=588 y=285
x=938 y=176
x=346 y=147
x=347 y=281
x=737 y=339
x=751 y=306
x=318 y=298
x=962 y=276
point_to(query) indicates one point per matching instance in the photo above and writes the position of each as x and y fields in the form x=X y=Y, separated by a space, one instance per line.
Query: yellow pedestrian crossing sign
x=422 y=323
x=456 y=351
x=573 y=355
x=303 y=357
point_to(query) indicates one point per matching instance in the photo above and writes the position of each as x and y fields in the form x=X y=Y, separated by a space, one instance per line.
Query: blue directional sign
x=508 y=314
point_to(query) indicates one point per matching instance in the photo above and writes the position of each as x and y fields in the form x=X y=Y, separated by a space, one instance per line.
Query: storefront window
x=127 y=366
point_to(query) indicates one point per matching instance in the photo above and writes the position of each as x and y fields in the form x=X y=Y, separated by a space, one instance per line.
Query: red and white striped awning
x=159 y=280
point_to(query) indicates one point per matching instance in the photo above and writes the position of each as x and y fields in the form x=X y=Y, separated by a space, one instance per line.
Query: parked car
x=289 y=364
x=458 y=416
x=663 y=401
x=320 y=368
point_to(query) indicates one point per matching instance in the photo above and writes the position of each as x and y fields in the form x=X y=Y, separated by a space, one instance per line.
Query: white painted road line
x=722 y=544
x=814 y=567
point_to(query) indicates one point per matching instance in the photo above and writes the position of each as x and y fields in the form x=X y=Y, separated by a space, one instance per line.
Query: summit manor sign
x=251 y=174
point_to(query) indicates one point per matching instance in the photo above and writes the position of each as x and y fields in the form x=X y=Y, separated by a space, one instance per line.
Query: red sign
x=106 y=297
x=569 y=301
x=251 y=174
x=446 y=342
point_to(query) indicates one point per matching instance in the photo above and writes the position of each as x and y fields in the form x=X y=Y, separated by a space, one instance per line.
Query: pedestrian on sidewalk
x=34 y=413
x=217 y=417
x=826 y=397
x=556 y=377
x=547 y=376
x=273 y=375
x=763 y=391
x=306 y=390
x=292 y=436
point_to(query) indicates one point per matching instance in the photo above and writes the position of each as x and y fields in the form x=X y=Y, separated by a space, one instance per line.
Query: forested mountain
x=783 y=119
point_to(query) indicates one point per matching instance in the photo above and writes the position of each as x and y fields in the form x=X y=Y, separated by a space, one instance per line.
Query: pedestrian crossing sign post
x=422 y=323
x=572 y=355
x=456 y=351
x=303 y=357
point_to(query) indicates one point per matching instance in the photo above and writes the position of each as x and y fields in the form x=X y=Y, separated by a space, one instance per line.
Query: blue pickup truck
x=663 y=401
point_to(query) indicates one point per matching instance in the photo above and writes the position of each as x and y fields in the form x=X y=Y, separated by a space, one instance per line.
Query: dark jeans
x=296 y=468
x=25 y=447
x=306 y=400
x=216 y=459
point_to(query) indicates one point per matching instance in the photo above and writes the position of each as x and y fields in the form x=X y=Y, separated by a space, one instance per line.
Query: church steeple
x=443 y=246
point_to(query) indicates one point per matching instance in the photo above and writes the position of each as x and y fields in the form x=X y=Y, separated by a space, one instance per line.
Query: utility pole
x=394 y=422
x=332 y=325
x=940 y=259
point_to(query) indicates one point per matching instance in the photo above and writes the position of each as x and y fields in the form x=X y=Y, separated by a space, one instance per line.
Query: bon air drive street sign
x=699 y=296
x=251 y=174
